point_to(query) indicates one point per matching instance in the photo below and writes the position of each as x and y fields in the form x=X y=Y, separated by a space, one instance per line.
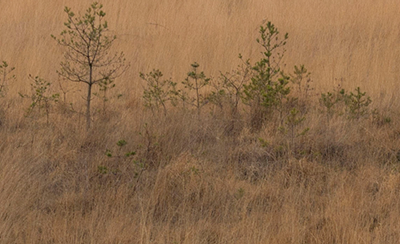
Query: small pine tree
x=158 y=91
x=268 y=86
x=88 y=46
x=195 y=81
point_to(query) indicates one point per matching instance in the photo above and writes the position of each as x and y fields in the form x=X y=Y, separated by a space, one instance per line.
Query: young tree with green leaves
x=158 y=91
x=195 y=81
x=269 y=84
x=88 y=58
x=41 y=99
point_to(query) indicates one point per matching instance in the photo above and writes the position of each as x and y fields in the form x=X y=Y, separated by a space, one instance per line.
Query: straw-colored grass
x=199 y=184
x=356 y=41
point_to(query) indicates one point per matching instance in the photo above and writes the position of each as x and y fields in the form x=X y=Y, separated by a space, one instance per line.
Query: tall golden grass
x=352 y=40
x=198 y=184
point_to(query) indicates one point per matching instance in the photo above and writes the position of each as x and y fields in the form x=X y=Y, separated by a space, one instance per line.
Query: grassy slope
x=199 y=185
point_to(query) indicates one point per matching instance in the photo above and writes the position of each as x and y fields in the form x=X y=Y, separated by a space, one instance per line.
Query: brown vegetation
x=209 y=179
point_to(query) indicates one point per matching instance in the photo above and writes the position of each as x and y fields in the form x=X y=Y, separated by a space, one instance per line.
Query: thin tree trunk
x=89 y=97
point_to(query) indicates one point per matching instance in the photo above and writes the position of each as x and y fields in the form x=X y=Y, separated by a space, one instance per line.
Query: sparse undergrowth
x=256 y=158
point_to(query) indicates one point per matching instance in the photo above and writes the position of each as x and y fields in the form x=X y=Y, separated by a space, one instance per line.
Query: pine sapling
x=268 y=86
x=195 y=81
x=158 y=91
x=40 y=97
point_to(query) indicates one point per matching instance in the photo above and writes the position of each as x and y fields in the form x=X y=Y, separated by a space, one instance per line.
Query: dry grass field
x=207 y=179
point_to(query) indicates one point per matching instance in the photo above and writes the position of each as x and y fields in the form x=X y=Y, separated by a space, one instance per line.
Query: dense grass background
x=200 y=184
x=354 y=41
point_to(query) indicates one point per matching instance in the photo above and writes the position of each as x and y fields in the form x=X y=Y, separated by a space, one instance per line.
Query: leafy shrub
x=269 y=85
x=330 y=100
x=228 y=88
x=357 y=103
x=41 y=99
x=302 y=80
x=157 y=91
